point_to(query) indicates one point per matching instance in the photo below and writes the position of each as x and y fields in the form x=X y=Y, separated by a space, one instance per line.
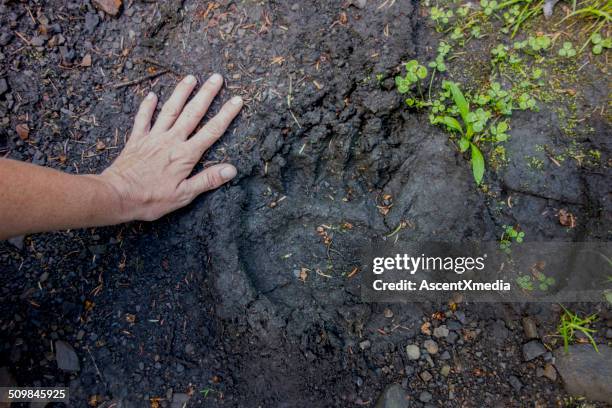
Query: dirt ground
x=237 y=300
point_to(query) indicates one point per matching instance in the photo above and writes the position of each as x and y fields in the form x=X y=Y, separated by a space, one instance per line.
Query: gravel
x=532 y=350
x=66 y=357
x=441 y=331
x=413 y=351
x=431 y=346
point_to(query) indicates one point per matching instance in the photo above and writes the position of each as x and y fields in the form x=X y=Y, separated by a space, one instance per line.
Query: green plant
x=567 y=50
x=525 y=282
x=439 y=16
x=414 y=73
x=457 y=34
x=539 y=42
x=473 y=122
x=500 y=99
x=570 y=323
x=500 y=53
x=526 y=101
x=536 y=73
x=475 y=31
x=510 y=235
x=488 y=6
x=545 y=282
x=499 y=131
x=600 y=43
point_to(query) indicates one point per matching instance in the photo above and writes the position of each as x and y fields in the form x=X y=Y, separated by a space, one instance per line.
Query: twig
x=141 y=79
x=159 y=64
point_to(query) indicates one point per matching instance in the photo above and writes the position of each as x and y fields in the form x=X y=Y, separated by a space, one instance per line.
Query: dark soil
x=213 y=301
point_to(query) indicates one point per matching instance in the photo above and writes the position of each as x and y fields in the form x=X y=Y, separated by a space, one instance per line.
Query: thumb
x=211 y=178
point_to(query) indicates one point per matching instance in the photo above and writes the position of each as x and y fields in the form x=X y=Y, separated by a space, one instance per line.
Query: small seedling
x=539 y=43
x=500 y=53
x=536 y=73
x=567 y=50
x=488 y=6
x=526 y=101
x=570 y=323
x=600 y=43
x=499 y=131
x=473 y=122
x=544 y=282
x=414 y=73
x=509 y=235
x=439 y=16
x=525 y=282
x=457 y=34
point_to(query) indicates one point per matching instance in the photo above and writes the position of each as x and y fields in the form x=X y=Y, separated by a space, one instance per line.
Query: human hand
x=150 y=176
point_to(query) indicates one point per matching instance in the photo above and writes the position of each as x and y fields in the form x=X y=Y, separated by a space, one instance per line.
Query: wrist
x=108 y=192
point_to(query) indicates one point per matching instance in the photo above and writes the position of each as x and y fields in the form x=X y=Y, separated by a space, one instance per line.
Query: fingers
x=197 y=107
x=142 y=121
x=174 y=106
x=215 y=127
x=209 y=179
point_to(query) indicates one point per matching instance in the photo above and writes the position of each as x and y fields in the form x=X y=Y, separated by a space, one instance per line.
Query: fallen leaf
x=23 y=131
x=110 y=7
x=86 y=62
x=100 y=145
x=566 y=218
x=303 y=274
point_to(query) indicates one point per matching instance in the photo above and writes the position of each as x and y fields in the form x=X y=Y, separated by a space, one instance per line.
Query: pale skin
x=150 y=178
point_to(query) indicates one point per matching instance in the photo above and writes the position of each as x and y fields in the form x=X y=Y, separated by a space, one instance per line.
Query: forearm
x=35 y=199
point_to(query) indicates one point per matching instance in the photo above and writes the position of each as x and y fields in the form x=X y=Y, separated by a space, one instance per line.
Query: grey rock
x=413 y=352
x=393 y=397
x=530 y=328
x=365 y=344
x=5 y=38
x=453 y=325
x=38 y=41
x=17 y=242
x=425 y=397
x=441 y=331
x=452 y=338
x=460 y=315
x=431 y=346
x=498 y=332
x=179 y=400
x=585 y=372
x=3 y=86
x=548 y=7
x=66 y=357
x=91 y=22
x=445 y=356
x=445 y=370
x=533 y=349
x=515 y=383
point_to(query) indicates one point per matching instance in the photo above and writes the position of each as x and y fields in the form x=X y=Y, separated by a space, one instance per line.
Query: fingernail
x=236 y=100
x=228 y=173
x=190 y=79
x=216 y=79
x=150 y=95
